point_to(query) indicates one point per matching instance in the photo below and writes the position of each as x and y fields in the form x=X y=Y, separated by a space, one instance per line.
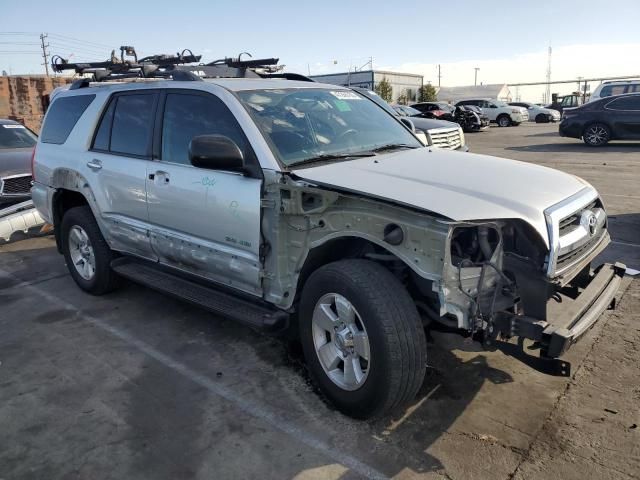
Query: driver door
x=204 y=222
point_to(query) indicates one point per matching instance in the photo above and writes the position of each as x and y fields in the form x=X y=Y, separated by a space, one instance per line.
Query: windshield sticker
x=346 y=95
x=342 y=105
x=13 y=126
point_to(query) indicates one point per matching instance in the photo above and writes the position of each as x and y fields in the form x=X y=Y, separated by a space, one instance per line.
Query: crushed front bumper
x=570 y=318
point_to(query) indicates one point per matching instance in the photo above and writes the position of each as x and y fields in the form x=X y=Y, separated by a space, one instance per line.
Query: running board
x=224 y=304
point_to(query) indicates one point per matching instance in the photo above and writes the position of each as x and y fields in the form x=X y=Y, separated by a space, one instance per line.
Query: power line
x=19 y=43
x=79 y=40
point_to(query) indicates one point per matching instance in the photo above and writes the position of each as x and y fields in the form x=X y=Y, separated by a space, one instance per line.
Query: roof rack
x=178 y=67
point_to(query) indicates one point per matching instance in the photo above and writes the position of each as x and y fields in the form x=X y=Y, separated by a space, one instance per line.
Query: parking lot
x=137 y=385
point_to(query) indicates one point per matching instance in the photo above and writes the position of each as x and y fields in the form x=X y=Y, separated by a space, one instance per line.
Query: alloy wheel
x=81 y=252
x=341 y=341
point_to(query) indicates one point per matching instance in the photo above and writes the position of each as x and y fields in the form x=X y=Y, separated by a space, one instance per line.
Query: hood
x=429 y=123
x=460 y=186
x=15 y=161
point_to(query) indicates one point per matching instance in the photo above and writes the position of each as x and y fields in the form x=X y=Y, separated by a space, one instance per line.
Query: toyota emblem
x=590 y=221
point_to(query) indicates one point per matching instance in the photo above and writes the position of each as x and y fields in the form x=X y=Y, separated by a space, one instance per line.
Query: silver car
x=281 y=203
x=16 y=148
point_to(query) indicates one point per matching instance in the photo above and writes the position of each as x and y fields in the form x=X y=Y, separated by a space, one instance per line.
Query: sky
x=506 y=40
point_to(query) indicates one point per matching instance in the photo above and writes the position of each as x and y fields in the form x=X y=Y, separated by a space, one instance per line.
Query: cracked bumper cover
x=575 y=317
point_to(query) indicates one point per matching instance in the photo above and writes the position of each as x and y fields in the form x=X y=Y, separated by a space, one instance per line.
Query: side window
x=102 y=139
x=626 y=103
x=63 y=115
x=187 y=116
x=132 y=124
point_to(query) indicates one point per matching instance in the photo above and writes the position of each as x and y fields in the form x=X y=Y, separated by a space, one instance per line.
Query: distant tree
x=383 y=88
x=427 y=93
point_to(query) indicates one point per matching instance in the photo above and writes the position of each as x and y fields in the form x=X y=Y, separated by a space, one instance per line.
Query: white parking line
x=626 y=244
x=254 y=409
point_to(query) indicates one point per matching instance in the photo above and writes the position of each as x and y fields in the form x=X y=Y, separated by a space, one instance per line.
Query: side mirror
x=216 y=152
x=408 y=123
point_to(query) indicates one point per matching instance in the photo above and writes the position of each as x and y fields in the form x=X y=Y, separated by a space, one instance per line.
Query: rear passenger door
x=204 y=222
x=117 y=169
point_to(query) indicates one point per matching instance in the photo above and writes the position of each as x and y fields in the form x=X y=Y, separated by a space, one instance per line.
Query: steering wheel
x=349 y=131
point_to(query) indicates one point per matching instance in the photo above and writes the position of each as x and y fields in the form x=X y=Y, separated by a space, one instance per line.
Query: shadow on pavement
x=578 y=147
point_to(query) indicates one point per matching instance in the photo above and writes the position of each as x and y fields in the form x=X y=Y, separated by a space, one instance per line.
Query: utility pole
x=475 y=78
x=45 y=55
x=439 y=75
x=548 y=91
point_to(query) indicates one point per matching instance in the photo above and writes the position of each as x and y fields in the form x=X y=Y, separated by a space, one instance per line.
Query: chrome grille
x=448 y=138
x=576 y=232
x=15 y=185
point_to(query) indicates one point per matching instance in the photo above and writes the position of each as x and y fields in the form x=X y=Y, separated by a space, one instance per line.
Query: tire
x=504 y=120
x=86 y=252
x=542 y=118
x=394 y=370
x=596 y=135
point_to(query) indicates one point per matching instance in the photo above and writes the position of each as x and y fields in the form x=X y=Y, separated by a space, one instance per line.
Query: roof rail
x=183 y=66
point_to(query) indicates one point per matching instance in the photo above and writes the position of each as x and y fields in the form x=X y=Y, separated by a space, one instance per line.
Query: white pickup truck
x=499 y=112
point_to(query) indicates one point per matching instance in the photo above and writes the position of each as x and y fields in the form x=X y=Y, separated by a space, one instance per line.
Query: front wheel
x=596 y=135
x=86 y=252
x=362 y=338
x=504 y=121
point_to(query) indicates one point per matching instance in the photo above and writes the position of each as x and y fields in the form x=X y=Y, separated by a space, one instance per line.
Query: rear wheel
x=596 y=135
x=362 y=338
x=86 y=252
x=504 y=121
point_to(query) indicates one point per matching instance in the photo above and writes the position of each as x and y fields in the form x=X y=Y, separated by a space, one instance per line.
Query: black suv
x=611 y=118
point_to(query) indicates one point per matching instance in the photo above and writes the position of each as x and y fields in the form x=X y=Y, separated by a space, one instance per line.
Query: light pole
x=475 y=79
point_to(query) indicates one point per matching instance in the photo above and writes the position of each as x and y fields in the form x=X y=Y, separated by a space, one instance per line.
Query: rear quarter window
x=62 y=116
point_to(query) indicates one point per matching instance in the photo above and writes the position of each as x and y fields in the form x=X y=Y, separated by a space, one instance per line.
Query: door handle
x=94 y=164
x=160 y=174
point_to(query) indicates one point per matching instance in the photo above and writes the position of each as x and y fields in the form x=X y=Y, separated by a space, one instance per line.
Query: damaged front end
x=496 y=283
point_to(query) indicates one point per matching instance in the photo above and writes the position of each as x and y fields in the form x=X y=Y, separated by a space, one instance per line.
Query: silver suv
x=286 y=203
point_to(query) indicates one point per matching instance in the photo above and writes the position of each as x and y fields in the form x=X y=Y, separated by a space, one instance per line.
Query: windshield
x=16 y=136
x=412 y=111
x=304 y=124
x=499 y=103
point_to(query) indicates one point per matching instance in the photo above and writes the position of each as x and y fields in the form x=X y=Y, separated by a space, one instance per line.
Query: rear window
x=62 y=117
x=127 y=125
x=16 y=136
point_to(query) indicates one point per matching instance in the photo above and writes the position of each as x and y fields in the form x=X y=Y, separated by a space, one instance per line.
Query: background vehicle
x=16 y=147
x=615 y=87
x=499 y=112
x=598 y=122
x=560 y=102
x=438 y=110
x=471 y=118
x=537 y=113
x=438 y=133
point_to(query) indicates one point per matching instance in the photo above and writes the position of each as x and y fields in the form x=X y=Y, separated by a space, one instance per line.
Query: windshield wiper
x=392 y=146
x=332 y=156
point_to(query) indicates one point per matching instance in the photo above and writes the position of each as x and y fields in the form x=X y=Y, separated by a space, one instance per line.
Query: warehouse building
x=406 y=84
x=497 y=91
